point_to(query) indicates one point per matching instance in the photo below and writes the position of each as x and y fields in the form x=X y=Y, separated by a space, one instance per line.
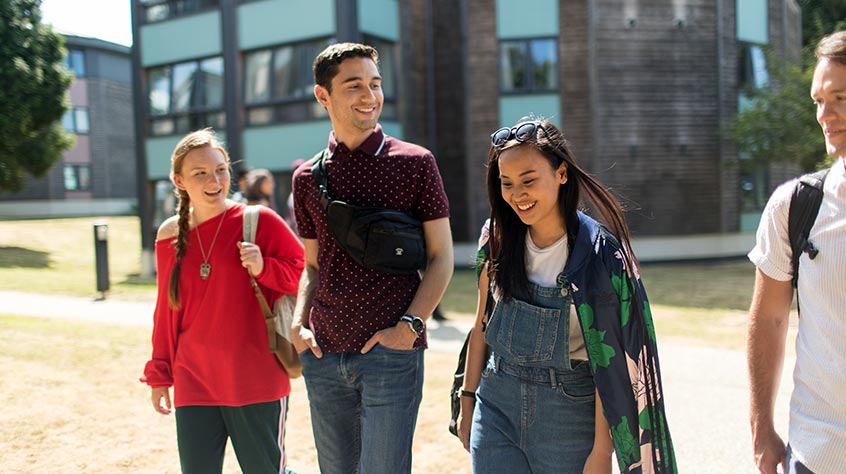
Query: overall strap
x=804 y=207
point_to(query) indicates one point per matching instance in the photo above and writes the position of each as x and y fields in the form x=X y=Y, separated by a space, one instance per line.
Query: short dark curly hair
x=326 y=63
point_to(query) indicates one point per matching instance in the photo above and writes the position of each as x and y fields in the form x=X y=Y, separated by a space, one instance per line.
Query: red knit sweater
x=213 y=349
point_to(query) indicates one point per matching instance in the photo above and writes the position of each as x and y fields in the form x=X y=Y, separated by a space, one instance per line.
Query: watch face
x=417 y=325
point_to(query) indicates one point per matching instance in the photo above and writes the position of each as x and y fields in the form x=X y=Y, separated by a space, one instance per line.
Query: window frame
x=175 y=9
x=196 y=116
x=72 y=116
x=74 y=62
x=276 y=105
x=528 y=67
x=76 y=169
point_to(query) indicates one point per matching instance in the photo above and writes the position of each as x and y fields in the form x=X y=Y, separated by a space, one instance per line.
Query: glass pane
x=759 y=67
x=215 y=120
x=81 y=115
x=159 y=83
x=512 y=61
x=183 y=124
x=84 y=176
x=284 y=72
x=257 y=82
x=293 y=112
x=162 y=127
x=387 y=63
x=260 y=115
x=157 y=12
x=78 y=63
x=212 y=79
x=70 y=178
x=184 y=81
x=544 y=64
x=389 y=110
x=67 y=121
x=317 y=110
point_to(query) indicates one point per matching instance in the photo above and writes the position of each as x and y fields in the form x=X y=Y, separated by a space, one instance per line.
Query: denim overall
x=534 y=413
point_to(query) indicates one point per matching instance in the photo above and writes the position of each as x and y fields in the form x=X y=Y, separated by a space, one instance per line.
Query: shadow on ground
x=19 y=257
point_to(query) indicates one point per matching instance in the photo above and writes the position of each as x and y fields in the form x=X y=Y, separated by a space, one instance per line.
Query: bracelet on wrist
x=467 y=393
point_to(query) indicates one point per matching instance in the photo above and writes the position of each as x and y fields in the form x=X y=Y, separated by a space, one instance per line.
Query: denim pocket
x=525 y=332
x=577 y=388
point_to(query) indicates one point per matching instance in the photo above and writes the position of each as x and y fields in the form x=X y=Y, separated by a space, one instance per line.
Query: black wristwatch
x=416 y=324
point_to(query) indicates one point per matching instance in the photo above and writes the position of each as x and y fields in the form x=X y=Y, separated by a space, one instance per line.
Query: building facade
x=97 y=175
x=641 y=88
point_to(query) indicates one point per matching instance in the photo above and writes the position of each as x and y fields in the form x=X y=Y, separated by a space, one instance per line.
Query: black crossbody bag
x=375 y=237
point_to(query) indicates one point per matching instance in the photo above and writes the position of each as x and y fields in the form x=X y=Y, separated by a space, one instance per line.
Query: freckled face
x=529 y=184
x=204 y=176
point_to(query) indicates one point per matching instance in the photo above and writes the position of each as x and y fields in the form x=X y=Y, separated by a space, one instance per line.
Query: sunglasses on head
x=521 y=132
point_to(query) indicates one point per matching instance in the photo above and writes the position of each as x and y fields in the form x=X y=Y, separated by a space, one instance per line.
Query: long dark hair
x=507 y=270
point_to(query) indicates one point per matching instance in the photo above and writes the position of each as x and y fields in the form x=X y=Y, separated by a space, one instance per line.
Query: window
x=186 y=96
x=75 y=120
x=752 y=68
x=528 y=66
x=278 y=83
x=159 y=10
x=75 y=61
x=77 y=177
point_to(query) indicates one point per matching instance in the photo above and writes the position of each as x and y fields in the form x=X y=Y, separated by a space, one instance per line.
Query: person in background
x=238 y=195
x=360 y=331
x=817 y=430
x=209 y=337
x=260 y=188
x=565 y=370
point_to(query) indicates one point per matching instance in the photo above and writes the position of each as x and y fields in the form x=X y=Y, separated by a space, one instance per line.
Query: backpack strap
x=251 y=216
x=318 y=172
x=804 y=207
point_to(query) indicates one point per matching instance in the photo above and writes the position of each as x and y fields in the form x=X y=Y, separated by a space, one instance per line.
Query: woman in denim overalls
x=570 y=321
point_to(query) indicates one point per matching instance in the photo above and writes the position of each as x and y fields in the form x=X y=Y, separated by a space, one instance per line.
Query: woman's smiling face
x=530 y=185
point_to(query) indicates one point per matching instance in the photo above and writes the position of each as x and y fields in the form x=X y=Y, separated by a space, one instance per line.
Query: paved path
x=706 y=388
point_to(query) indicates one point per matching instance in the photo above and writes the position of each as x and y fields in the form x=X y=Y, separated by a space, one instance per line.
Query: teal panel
x=379 y=18
x=159 y=151
x=393 y=129
x=522 y=19
x=158 y=156
x=284 y=21
x=277 y=147
x=172 y=41
x=514 y=107
x=752 y=21
x=749 y=221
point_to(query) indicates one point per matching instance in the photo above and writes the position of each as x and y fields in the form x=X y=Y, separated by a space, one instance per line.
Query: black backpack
x=804 y=207
x=382 y=239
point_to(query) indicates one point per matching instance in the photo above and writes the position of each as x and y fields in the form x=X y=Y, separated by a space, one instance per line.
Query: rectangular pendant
x=205 y=270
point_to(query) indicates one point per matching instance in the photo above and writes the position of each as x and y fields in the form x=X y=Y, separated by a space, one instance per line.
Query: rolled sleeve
x=772 y=252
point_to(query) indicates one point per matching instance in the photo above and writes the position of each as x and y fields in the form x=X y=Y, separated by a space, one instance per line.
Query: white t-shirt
x=542 y=268
x=818 y=403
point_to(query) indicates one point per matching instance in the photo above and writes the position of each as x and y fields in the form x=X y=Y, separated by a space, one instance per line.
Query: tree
x=33 y=83
x=821 y=17
x=781 y=123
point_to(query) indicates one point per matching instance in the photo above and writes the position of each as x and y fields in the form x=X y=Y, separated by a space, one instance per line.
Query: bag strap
x=804 y=207
x=318 y=172
x=251 y=216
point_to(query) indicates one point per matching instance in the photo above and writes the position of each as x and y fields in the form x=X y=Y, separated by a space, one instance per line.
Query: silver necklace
x=205 y=267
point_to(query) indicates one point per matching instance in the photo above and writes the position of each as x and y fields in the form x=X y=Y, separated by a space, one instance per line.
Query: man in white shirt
x=817 y=431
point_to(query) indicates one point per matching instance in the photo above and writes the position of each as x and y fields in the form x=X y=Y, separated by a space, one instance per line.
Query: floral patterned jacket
x=620 y=338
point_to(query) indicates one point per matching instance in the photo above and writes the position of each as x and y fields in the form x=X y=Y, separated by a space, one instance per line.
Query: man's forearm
x=432 y=286
x=765 y=353
x=305 y=295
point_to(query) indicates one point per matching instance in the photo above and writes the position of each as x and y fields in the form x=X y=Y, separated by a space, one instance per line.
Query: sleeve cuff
x=767 y=266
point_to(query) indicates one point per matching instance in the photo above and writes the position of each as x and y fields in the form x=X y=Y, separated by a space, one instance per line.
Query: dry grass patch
x=73 y=403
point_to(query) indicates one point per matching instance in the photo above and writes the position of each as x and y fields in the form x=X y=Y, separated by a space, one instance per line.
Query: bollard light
x=101 y=256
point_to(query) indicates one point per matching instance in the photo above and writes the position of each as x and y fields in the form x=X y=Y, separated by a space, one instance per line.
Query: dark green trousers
x=257 y=432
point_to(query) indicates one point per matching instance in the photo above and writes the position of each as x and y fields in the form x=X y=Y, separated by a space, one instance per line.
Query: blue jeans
x=531 y=420
x=794 y=466
x=364 y=408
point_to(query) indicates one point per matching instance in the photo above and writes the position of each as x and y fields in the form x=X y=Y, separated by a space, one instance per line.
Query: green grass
x=57 y=256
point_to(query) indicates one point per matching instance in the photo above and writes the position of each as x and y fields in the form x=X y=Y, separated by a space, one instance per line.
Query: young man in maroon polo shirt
x=357 y=328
